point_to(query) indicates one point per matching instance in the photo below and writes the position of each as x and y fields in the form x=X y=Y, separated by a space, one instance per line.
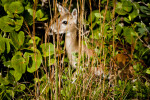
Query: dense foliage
x=120 y=35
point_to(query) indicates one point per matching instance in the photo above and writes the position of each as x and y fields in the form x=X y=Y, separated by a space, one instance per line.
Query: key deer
x=67 y=23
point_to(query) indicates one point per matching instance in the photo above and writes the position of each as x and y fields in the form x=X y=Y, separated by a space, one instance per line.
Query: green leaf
x=17 y=75
x=145 y=10
x=30 y=11
x=17 y=39
x=10 y=92
x=21 y=38
x=7 y=64
x=37 y=40
x=14 y=39
x=119 y=9
x=4 y=80
x=20 y=87
x=18 y=63
x=134 y=13
x=42 y=19
x=98 y=15
x=7 y=41
x=148 y=70
x=108 y=15
x=119 y=28
x=28 y=16
x=92 y=16
x=141 y=28
x=126 y=20
x=96 y=33
x=6 y=1
x=16 y=7
x=51 y=62
x=2 y=45
x=39 y=14
x=10 y=78
x=47 y=49
x=7 y=24
x=127 y=6
x=117 y=20
x=6 y=7
x=34 y=60
x=129 y=35
x=18 y=23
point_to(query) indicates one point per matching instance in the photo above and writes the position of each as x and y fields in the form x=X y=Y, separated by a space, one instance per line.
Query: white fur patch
x=68 y=33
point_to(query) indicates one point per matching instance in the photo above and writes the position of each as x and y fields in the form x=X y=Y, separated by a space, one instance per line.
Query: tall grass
x=86 y=86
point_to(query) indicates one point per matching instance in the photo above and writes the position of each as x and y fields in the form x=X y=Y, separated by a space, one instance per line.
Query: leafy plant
x=119 y=37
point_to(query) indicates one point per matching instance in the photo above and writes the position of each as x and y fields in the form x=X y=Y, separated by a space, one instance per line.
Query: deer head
x=66 y=22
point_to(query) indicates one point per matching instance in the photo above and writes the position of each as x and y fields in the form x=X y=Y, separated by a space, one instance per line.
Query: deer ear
x=74 y=13
x=61 y=9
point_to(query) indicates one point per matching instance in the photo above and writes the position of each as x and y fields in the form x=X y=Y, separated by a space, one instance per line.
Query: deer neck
x=71 y=40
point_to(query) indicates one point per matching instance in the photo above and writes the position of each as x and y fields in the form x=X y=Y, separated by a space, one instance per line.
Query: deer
x=67 y=23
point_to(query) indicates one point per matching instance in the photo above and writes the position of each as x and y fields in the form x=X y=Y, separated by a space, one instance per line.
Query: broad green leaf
x=148 y=5
x=39 y=14
x=147 y=83
x=134 y=13
x=30 y=11
x=18 y=23
x=7 y=41
x=6 y=7
x=7 y=24
x=47 y=49
x=10 y=92
x=6 y=1
x=148 y=70
x=119 y=28
x=126 y=20
x=42 y=19
x=17 y=39
x=92 y=17
x=16 y=7
x=14 y=39
x=129 y=35
x=108 y=15
x=141 y=28
x=98 y=15
x=127 y=6
x=119 y=9
x=94 y=23
x=10 y=78
x=34 y=60
x=4 y=81
x=51 y=62
x=18 y=63
x=7 y=64
x=96 y=33
x=20 y=87
x=21 y=38
x=17 y=75
x=106 y=29
x=2 y=45
x=37 y=40
x=28 y=16
x=145 y=10
x=117 y=21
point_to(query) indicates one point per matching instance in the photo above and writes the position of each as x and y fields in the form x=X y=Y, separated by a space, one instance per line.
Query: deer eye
x=64 y=22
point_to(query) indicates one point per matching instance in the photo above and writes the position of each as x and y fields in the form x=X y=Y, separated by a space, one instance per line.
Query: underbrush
x=34 y=65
